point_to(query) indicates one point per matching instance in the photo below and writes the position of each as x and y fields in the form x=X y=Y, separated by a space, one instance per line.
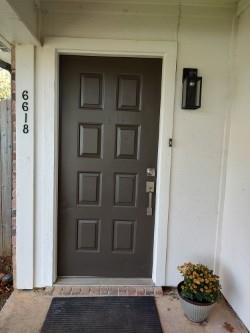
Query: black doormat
x=102 y=315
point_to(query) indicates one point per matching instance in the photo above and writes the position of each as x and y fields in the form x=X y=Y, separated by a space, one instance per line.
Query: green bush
x=200 y=284
x=5 y=84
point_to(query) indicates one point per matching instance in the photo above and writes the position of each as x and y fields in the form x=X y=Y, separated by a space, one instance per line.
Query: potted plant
x=199 y=291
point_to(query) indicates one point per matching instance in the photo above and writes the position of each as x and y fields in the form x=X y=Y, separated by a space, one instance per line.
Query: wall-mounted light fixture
x=191 y=89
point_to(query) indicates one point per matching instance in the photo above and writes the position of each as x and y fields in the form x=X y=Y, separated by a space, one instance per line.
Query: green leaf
x=5 y=84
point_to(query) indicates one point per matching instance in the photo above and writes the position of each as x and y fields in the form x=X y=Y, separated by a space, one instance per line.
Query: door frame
x=53 y=47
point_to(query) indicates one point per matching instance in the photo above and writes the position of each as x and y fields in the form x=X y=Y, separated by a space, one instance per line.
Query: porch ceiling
x=19 y=21
x=146 y=7
x=162 y=2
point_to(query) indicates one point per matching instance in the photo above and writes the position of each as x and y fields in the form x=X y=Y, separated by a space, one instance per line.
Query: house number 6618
x=25 y=107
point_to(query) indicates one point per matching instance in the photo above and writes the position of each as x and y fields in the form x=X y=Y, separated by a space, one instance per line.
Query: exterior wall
x=113 y=21
x=235 y=246
x=204 y=42
x=203 y=36
x=25 y=198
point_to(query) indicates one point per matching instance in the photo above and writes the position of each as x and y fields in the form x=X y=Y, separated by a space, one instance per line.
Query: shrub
x=5 y=86
x=200 y=284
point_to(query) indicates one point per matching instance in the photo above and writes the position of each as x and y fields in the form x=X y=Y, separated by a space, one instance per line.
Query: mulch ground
x=5 y=289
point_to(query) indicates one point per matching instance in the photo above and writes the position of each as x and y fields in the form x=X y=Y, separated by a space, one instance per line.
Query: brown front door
x=109 y=117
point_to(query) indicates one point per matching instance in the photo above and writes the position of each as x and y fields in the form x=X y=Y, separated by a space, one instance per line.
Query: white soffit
x=213 y=3
x=135 y=7
x=160 y=8
x=18 y=21
x=5 y=56
x=5 y=50
x=242 y=6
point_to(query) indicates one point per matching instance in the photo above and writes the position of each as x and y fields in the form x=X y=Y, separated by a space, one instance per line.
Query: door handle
x=150 y=188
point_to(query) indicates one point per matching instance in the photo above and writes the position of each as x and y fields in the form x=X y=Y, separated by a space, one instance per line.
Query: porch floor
x=25 y=312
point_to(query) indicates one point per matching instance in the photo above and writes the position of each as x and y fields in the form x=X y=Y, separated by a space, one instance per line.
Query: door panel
x=109 y=118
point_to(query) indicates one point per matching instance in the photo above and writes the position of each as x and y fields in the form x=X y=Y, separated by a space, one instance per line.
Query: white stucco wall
x=198 y=135
x=203 y=36
x=235 y=246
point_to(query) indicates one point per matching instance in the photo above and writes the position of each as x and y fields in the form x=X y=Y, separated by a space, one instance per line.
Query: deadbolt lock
x=151 y=172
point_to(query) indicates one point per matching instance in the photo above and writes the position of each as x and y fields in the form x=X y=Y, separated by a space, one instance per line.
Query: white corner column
x=25 y=166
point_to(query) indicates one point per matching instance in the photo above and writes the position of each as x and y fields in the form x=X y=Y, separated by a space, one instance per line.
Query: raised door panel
x=129 y=93
x=125 y=189
x=127 y=141
x=91 y=91
x=123 y=236
x=89 y=188
x=88 y=235
x=90 y=140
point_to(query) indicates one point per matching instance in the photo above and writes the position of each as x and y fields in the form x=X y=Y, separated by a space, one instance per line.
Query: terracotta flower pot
x=195 y=311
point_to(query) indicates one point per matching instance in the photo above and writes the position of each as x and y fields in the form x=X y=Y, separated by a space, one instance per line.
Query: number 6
x=25 y=106
x=25 y=95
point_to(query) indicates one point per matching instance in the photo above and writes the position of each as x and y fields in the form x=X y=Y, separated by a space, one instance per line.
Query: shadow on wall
x=228 y=283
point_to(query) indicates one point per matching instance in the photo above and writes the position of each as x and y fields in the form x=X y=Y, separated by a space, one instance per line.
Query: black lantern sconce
x=191 y=89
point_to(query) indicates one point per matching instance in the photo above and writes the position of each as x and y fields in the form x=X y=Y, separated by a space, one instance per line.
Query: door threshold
x=93 y=286
x=104 y=282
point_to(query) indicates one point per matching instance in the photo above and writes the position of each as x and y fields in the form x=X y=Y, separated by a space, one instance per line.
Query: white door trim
x=46 y=240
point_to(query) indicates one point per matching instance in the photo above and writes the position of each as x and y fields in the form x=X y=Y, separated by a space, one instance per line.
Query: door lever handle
x=150 y=188
x=149 y=208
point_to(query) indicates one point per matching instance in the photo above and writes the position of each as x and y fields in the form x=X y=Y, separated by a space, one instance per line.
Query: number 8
x=25 y=129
